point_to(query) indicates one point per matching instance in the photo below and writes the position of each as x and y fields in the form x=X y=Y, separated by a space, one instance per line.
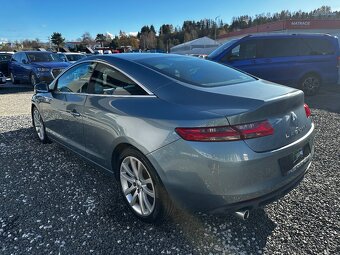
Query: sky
x=31 y=19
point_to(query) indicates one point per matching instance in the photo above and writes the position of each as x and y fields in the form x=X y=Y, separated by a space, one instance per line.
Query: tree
x=86 y=39
x=57 y=39
x=101 y=38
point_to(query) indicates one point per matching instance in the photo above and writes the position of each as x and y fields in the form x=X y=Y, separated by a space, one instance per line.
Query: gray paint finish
x=197 y=175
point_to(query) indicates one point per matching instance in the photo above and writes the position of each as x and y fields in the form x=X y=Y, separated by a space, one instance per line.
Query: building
x=203 y=45
x=326 y=26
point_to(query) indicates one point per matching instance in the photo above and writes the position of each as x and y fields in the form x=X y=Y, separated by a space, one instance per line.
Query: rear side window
x=109 y=81
x=195 y=71
x=271 y=48
x=315 y=46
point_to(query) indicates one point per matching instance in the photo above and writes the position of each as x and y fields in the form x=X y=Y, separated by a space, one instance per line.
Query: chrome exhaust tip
x=243 y=215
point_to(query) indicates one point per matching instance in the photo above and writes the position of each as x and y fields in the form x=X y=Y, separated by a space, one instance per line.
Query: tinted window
x=196 y=71
x=108 y=81
x=244 y=50
x=283 y=47
x=76 y=79
x=74 y=57
x=316 y=46
x=43 y=57
x=222 y=48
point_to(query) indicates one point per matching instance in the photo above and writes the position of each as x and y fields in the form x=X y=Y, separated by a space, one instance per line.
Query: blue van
x=304 y=61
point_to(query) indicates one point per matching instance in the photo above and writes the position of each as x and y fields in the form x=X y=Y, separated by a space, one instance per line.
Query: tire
x=14 y=81
x=310 y=84
x=141 y=188
x=33 y=79
x=39 y=126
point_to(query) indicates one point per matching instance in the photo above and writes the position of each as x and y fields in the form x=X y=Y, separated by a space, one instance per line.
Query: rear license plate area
x=294 y=160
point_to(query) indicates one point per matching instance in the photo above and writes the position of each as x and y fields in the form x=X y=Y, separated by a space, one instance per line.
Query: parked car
x=5 y=58
x=71 y=57
x=178 y=130
x=2 y=78
x=35 y=66
x=304 y=61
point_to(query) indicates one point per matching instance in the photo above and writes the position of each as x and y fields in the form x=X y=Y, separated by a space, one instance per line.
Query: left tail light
x=226 y=133
x=307 y=110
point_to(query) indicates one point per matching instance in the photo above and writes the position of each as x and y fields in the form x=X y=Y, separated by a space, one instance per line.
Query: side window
x=108 y=81
x=285 y=47
x=19 y=57
x=315 y=46
x=24 y=57
x=242 y=51
x=76 y=79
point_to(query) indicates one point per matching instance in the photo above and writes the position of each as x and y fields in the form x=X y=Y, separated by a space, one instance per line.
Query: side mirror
x=24 y=61
x=41 y=88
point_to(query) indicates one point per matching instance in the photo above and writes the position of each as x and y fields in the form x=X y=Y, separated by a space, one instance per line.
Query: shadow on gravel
x=51 y=196
x=327 y=99
x=8 y=88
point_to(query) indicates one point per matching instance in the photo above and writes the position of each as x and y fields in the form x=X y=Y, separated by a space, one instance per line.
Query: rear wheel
x=141 y=188
x=14 y=81
x=39 y=126
x=310 y=84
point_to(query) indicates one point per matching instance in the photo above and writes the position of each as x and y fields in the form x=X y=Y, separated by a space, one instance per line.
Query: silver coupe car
x=179 y=131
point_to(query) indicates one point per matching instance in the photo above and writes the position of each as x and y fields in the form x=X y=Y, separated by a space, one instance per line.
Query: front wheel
x=141 y=188
x=39 y=126
x=310 y=84
x=33 y=79
x=13 y=80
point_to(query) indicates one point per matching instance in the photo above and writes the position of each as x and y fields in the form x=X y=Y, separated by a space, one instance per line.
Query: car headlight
x=43 y=69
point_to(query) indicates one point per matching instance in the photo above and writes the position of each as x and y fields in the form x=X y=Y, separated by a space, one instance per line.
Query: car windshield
x=5 y=57
x=199 y=72
x=221 y=49
x=74 y=57
x=43 y=57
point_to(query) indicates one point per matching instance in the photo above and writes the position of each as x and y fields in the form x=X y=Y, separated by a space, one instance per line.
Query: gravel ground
x=52 y=202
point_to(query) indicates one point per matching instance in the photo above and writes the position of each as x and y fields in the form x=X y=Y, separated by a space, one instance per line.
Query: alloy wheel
x=38 y=124
x=137 y=186
x=310 y=85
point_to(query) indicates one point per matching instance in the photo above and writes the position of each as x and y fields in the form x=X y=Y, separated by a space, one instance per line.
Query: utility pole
x=216 y=24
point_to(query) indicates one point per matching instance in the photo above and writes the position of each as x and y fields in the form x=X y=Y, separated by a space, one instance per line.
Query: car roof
x=134 y=56
x=281 y=35
x=33 y=51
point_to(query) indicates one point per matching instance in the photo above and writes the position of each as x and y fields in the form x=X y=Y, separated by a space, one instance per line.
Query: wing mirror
x=24 y=61
x=41 y=87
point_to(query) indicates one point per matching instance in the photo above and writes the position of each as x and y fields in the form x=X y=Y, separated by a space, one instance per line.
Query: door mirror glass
x=41 y=88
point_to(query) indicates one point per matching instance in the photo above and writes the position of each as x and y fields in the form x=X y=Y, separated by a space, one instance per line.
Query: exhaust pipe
x=243 y=215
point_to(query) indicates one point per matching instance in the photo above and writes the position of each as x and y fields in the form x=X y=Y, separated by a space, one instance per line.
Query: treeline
x=168 y=35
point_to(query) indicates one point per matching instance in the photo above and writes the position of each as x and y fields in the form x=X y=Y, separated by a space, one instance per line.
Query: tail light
x=307 y=110
x=226 y=133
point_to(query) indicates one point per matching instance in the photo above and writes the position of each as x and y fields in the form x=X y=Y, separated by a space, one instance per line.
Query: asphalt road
x=53 y=202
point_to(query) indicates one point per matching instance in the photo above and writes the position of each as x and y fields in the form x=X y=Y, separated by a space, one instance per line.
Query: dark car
x=299 y=60
x=35 y=66
x=5 y=58
x=176 y=129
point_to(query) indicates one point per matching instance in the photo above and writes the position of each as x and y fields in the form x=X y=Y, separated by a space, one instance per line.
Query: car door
x=17 y=67
x=103 y=121
x=25 y=67
x=64 y=112
x=242 y=56
x=277 y=59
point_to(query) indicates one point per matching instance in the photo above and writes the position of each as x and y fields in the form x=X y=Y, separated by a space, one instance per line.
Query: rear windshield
x=43 y=57
x=196 y=71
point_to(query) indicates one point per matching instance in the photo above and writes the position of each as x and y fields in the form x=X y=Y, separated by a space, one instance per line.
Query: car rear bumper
x=227 y=176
